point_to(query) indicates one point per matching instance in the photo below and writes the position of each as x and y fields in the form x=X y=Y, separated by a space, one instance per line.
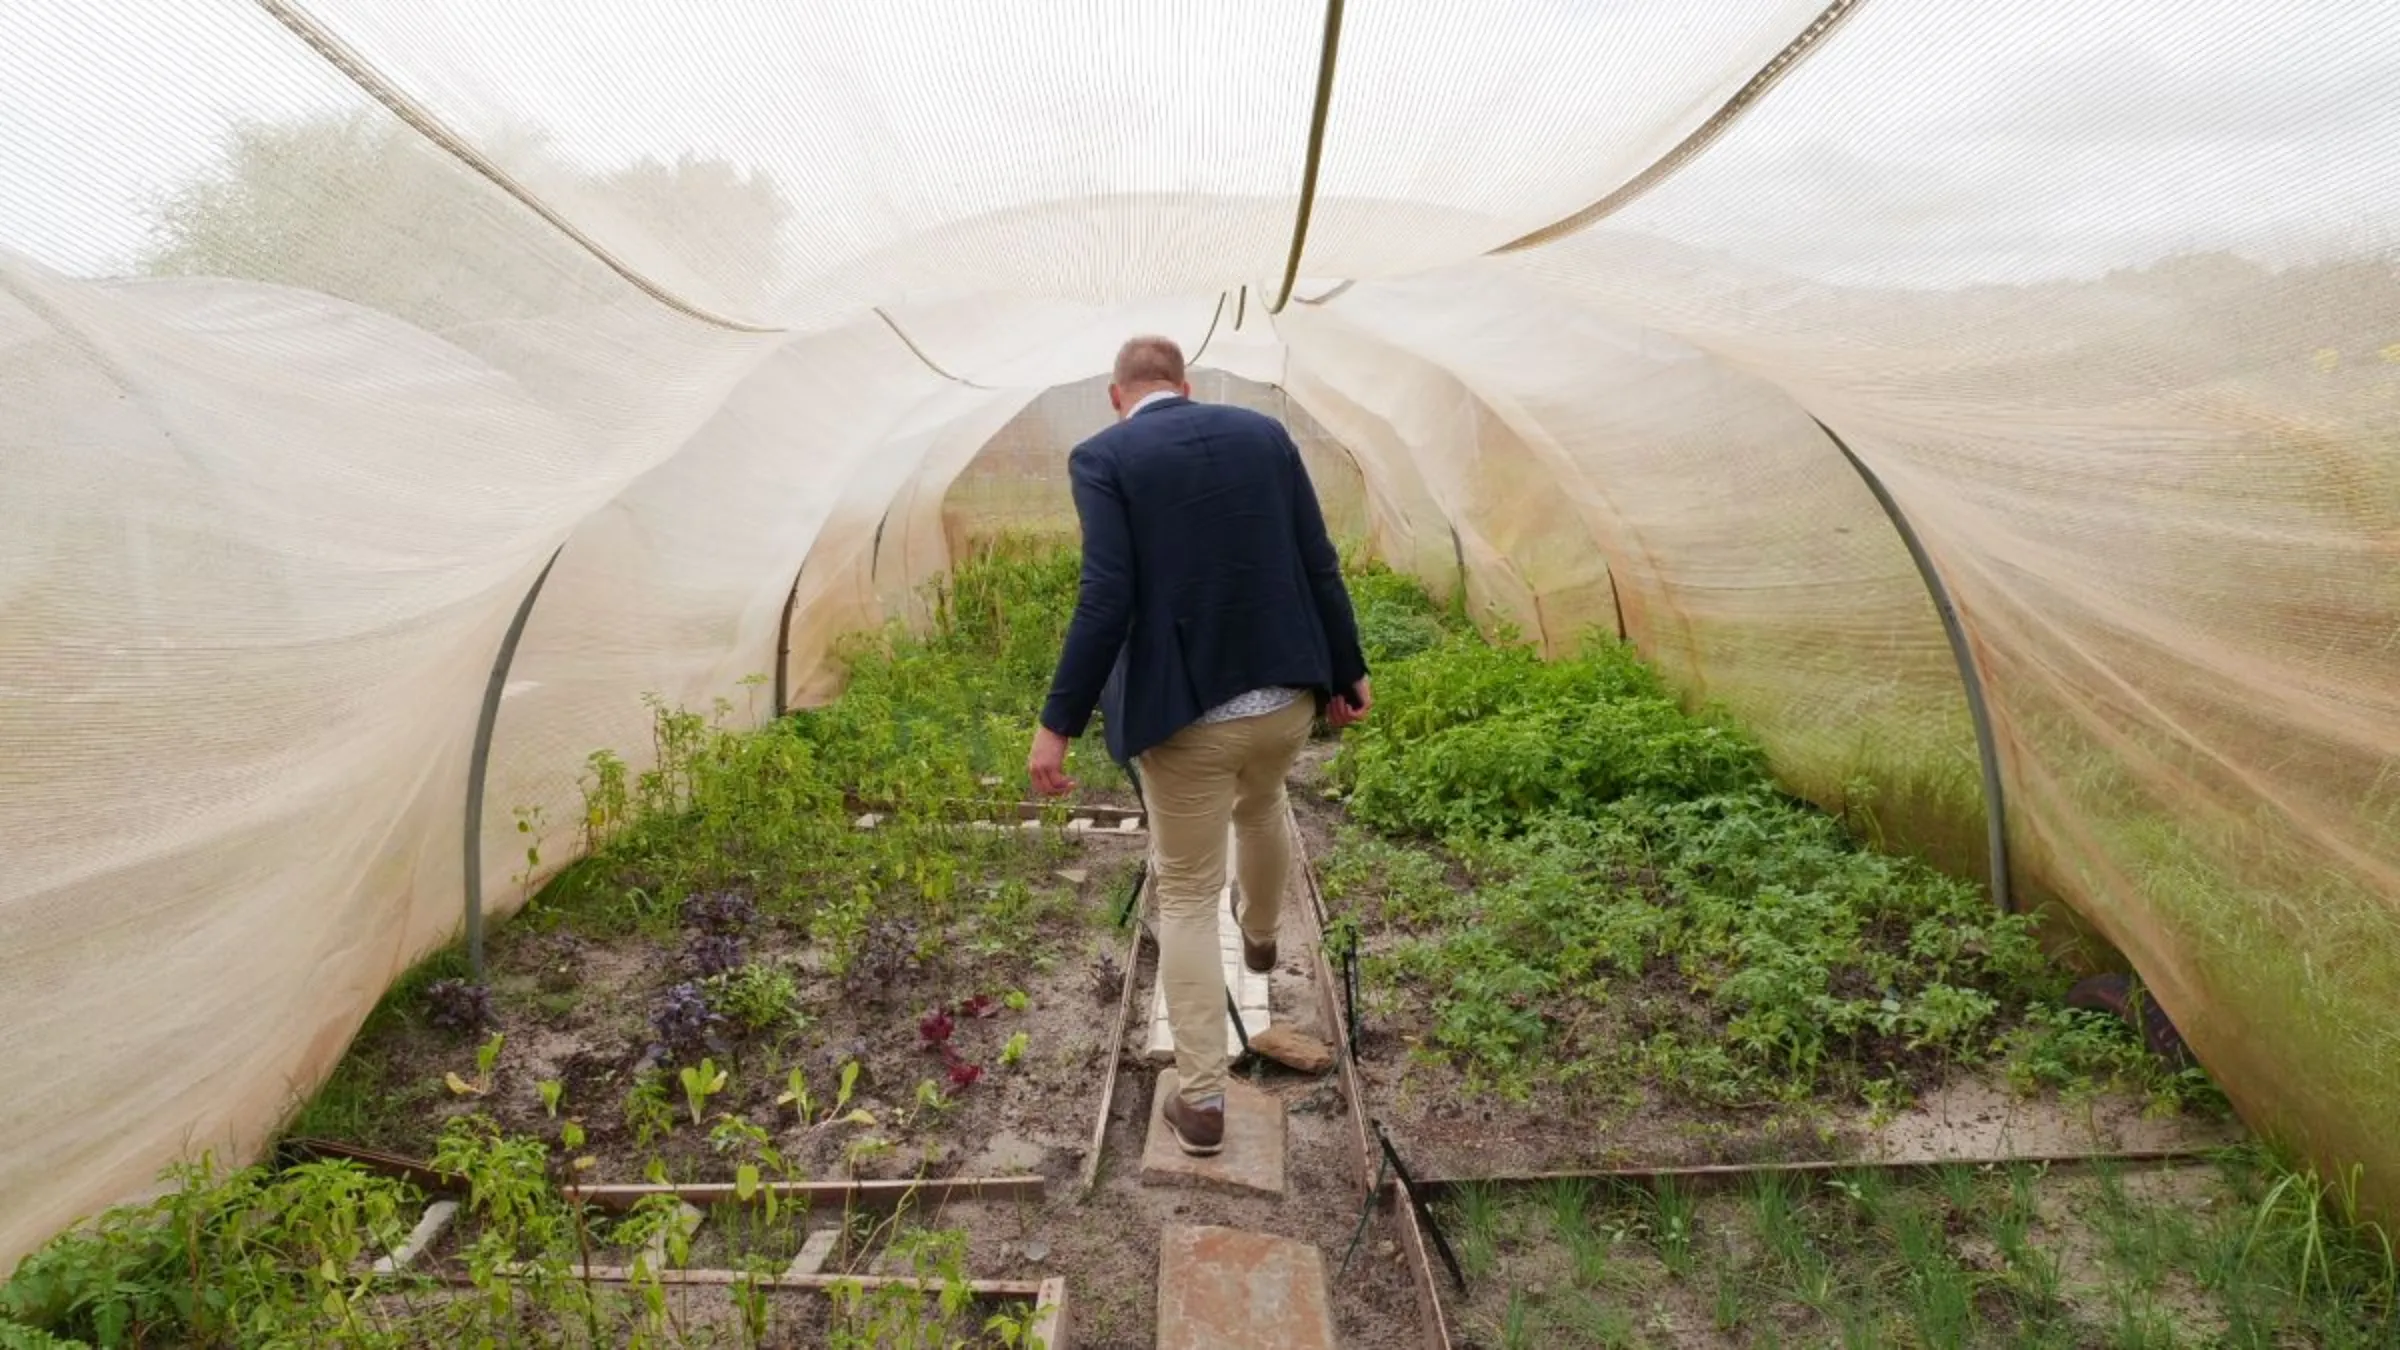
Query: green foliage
x=931 y=728
x=1642 y=902
x=1473 y=739
x=248 y=1257
x=1396 y=619
x=758 y=997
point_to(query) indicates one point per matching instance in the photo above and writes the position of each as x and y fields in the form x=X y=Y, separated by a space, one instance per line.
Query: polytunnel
x=345 y=344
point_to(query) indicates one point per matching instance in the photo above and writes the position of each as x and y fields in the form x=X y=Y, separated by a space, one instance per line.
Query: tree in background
x=362 y=207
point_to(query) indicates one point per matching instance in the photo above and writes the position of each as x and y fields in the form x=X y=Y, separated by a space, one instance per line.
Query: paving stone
x=1226 y=1289
x=813 y=1253
x=687 y=1219
x=437 y=1217
x=1252 y=1159
x=1293 y=1050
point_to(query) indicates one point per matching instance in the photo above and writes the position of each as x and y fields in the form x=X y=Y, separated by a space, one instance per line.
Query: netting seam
x=354 y=67
x=1316 y=152
x=1703 y=136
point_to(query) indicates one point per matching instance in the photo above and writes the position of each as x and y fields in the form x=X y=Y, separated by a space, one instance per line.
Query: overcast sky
x=1932 y=142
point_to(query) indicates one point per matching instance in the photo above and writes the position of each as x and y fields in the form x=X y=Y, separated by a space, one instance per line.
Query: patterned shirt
x=1256 y=703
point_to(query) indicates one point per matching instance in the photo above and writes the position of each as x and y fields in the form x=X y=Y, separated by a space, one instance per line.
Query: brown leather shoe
x=1198 y=1130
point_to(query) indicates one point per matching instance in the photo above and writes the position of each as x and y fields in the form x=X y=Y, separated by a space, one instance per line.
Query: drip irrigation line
x=1350 y=998
x=1316 y=152
x=1970 y=677
x=1366 y=1211
x=1241 y=307
x=1141 y=869
x=1329 y=296
x=354 y=67
x=1133 y=893
x=1703 y=136
x=1424 y=1210
x=480 y=761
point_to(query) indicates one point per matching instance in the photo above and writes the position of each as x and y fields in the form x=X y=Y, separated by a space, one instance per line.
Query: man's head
x=1146 y=366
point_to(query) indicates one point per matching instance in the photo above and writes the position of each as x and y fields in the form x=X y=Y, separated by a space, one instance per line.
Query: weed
x=1477 y=1208
x=648 y=1111
x=758 y=997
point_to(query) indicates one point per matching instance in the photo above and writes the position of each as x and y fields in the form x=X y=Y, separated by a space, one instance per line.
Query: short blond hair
x=1148 y=360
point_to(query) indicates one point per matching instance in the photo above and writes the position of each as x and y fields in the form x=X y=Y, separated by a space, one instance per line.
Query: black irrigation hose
x=1350 y=998
x=1408 y=1192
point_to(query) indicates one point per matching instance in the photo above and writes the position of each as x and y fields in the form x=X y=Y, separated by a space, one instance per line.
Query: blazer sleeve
x=1104 y=598
x=1324 y=568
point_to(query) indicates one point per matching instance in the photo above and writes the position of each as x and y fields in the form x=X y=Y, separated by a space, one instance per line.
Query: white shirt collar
x=1158 y=396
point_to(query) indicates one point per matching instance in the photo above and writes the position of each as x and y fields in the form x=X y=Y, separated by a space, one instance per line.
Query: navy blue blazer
x=1207 y=573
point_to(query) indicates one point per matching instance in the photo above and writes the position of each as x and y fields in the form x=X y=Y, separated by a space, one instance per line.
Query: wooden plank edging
x=1116 y=1054
x=1707 y=1174
x=1395 y=1195
x=1028 y=1289
x=858 y=1194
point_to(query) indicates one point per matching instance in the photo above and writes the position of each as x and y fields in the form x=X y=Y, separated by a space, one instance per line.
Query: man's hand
x=1345 y=710
x=1047 y=764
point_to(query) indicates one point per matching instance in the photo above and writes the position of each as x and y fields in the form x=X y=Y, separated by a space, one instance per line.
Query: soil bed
x=575 y=1008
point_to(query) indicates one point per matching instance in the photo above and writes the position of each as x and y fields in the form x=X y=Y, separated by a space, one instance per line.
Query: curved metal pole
x=1316 y=154
x=1970 y=677
x=481 y=760
x=783 y=643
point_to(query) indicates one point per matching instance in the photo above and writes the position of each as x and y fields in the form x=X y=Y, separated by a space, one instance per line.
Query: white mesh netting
x=322 y=327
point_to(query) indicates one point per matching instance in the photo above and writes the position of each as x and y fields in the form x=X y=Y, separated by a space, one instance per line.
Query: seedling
x=487 y=1058
x=552 y=1091
x=700 y=1082
x=1015 y=1000
x=1014 y=1050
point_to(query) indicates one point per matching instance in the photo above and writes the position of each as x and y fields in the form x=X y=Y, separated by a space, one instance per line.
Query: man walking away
x=1214 y=625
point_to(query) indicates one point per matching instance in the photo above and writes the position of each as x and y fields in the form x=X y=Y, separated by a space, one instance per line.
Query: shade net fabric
x=326 y=327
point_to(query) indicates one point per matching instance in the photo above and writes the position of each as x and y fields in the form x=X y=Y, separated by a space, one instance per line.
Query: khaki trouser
x=1192 y=786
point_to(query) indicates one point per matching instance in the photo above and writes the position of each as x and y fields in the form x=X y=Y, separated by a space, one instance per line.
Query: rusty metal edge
x=1116 y=1056
x=1420 y=1266
x=863 y=1194
x=1703 y=1174
x=1412 y=1238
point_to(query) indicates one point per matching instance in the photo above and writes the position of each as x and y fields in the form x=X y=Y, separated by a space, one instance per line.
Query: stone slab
x=1226 y=1289
x=813 y=1253
x=1252 y=1159
x=436 y=1219
x=1293 y=1050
